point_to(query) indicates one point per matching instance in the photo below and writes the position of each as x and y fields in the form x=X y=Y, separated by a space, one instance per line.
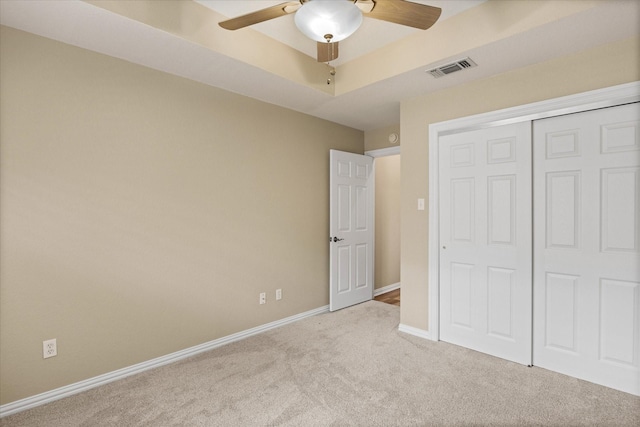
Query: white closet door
x=587 y=246
x=485 y=240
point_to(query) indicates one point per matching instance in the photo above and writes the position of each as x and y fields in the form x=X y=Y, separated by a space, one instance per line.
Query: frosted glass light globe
x=318 y=18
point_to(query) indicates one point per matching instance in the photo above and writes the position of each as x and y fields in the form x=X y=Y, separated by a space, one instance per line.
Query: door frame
x=382 y=152
x=591 y=100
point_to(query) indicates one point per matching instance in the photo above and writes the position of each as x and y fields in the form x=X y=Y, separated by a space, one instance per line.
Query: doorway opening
x=387 y=226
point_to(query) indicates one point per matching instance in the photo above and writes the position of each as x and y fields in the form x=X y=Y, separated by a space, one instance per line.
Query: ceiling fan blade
x=327 y=51
x=260 y=15
x=406 y=13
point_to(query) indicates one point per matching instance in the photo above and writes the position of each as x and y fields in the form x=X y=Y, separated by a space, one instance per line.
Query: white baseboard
x=414 y=331
x=385 y=289
x=79 y=387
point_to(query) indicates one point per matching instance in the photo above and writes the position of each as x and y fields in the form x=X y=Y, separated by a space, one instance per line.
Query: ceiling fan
x=330 y=21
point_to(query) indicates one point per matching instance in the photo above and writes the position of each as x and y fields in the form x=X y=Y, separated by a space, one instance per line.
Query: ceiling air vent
x=452 y=68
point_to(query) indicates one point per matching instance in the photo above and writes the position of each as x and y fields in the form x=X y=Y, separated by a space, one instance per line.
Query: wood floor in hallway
x=392 y=297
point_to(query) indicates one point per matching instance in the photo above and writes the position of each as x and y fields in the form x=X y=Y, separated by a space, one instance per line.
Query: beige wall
x=142 y=213
x=387 y=260
x=379 y=138
x=596 y=68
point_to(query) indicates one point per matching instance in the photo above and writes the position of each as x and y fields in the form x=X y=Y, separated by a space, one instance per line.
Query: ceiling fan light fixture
x=328 y=20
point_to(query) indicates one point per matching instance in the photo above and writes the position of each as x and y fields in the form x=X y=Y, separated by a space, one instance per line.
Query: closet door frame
x=600 y=98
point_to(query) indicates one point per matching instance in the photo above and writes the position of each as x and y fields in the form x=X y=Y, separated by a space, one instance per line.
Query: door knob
x=335 y=239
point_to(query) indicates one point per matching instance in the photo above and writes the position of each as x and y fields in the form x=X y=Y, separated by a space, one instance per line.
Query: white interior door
x=351 y=229
x=485 y=240
x=587 y=246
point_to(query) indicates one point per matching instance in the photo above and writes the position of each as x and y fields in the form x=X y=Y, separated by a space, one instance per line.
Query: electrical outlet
x=263 y=297
x=49 y=348
x=278 y=294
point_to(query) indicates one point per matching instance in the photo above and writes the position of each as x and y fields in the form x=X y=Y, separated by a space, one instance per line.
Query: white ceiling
x=372 y=34
x=370 y=107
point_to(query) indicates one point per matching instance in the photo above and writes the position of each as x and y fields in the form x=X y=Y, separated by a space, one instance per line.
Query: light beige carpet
x=349 y=368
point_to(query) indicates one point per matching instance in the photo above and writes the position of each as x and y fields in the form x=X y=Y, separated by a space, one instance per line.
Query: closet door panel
x=586 y=246
x=485 y=234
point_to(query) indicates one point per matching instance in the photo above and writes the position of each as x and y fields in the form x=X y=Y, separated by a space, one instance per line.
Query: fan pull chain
x=332 y=72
